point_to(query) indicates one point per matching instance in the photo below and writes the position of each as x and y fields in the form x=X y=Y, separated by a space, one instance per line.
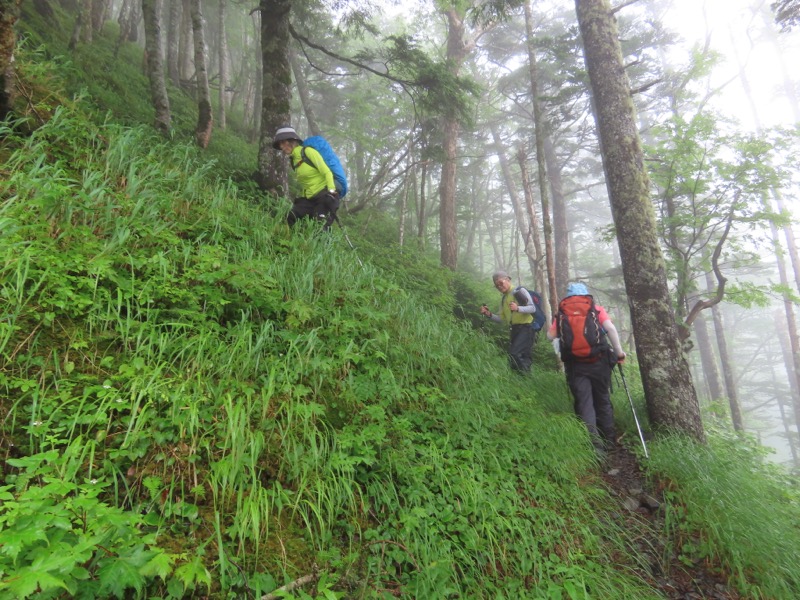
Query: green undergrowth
x=197 y=401
x=725 y=507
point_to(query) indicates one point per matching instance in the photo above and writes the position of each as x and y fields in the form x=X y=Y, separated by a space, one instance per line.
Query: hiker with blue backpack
x=583 y=330
x=520 y=313
x=319 y=175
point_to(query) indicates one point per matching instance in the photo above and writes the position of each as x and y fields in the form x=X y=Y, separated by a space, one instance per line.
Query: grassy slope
x=199 y=400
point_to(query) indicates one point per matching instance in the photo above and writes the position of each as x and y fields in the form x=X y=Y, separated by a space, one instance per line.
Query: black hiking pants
x=520 y=347
x=590 y=385
x=321 y=207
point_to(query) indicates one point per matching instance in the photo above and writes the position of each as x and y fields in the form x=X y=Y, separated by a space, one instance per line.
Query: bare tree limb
x=701 y=305
x=355 y=63
x=293 y=585
x=619 y=7
x=645 y=87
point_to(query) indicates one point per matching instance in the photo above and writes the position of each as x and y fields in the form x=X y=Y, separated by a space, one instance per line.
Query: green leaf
x=159 y=566
x=192 y=573
x=118 y=575
x=29 y=580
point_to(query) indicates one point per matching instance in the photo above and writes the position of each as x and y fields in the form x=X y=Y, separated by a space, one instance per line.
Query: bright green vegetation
x=196 y=402
x=199 y=400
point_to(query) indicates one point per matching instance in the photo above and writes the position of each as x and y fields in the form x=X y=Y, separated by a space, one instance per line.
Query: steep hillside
x=197 y=402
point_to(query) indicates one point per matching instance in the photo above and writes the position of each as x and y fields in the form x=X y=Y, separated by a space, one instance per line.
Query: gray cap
x=285 y=133
x=500 y=275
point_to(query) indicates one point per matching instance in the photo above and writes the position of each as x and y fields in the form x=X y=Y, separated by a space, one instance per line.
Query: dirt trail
x=641 y=511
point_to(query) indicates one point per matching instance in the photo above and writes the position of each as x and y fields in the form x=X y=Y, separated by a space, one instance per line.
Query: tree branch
x=355 y=63
x=619 y=7
x=645 y=87
x=721 y=279
x=306 y=579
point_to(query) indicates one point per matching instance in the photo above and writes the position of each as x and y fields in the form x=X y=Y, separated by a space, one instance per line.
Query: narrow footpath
x=641 y=511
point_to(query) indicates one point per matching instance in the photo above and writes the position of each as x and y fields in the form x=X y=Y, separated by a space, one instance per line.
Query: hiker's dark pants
x=590 y=384
x=519 y=348
x=321 y=207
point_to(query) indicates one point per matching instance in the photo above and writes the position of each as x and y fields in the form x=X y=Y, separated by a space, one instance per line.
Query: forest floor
x=642 y=513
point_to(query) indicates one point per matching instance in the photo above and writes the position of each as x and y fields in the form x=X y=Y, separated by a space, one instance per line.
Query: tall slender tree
x=671 y=397
x=224 y=76
x=173 y=41
x=539 y=127
x=155 y=64
x=205 y=118
x=458 y=47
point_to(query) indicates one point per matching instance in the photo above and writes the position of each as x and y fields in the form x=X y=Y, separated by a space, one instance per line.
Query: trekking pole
x=336 y=218
x=633 y=410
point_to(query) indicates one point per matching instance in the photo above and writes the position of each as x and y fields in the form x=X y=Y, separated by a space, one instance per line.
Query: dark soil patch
x=641 y=512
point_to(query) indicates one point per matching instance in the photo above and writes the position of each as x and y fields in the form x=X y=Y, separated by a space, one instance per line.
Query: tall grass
x=250 y=389
x=727 y=505
x=261 y=406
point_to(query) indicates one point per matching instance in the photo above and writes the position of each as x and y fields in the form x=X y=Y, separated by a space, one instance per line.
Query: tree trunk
x=259 y=80
x=708 y=359
x=671 y=398
x=448 y=232
x=185 y=66
x=174 y=41
x=128 y=23
x=724 y=359
x=560 y=229
x=82 y=29
x=788 y=363
x=515 y=203
x=422 y=215
x=155 y=64
x=540 y=276
x=304 y=94
x=401 y=209
x=100 y=10
x=539 y=127
x=9 y=13
x=224 y=77
x=205 y=119
x=276 y=91
x=791 y=323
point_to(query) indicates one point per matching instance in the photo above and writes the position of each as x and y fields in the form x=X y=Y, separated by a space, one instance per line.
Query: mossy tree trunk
x=9 y=13
x=276 y=91
x=670 y=394
x=155 y=64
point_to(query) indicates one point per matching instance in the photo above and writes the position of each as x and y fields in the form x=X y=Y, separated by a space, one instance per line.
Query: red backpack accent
x=579 y=331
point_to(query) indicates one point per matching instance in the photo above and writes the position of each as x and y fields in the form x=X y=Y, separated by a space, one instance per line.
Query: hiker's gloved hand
x=332 y=200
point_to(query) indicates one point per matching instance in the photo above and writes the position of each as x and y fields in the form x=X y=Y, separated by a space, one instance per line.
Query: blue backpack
x=321 y=145
x=539 y=318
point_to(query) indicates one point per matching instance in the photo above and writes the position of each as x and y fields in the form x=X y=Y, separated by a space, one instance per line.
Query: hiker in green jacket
x=319 y=199
x=518 y=317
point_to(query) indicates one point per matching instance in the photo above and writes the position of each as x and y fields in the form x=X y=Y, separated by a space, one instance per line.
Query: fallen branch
x=291 y=586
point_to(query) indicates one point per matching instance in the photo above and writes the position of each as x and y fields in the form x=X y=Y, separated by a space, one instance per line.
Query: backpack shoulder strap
x=303 y=159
